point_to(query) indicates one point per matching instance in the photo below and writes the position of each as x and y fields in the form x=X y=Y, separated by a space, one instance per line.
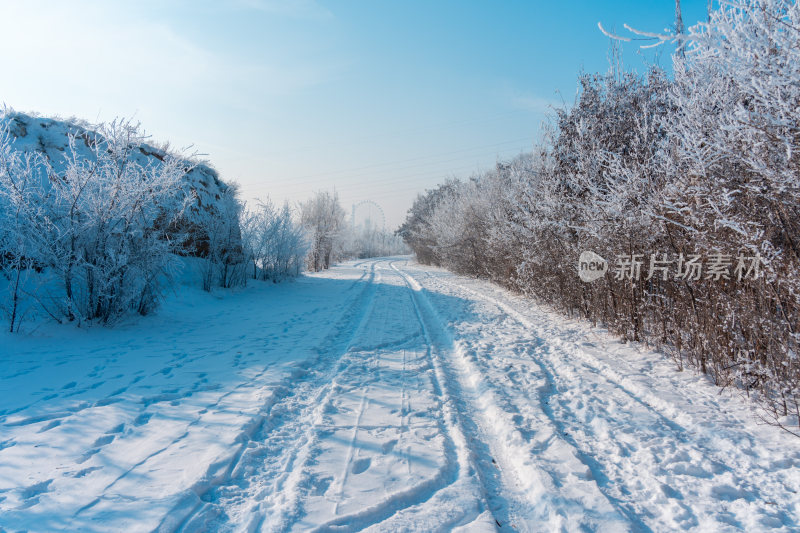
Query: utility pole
x=679 y=30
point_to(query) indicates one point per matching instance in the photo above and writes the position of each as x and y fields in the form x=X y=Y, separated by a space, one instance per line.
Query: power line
x=311 y=183
x=286 y=189
x=389 y=163
x=403 y=178
x=398 y=133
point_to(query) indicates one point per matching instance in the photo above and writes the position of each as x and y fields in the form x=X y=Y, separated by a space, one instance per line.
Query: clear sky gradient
x=379 y=100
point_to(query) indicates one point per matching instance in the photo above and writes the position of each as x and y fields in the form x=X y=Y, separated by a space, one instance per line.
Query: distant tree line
x=655 y=172
x=332 y=238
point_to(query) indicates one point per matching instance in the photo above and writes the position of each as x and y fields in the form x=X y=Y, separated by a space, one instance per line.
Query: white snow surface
x=382 y=396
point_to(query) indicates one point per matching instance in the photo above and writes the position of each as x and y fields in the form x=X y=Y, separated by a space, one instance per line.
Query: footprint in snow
x=51 y=425
x=31 y=494
x=671 y=492
x=86 y=456
x=388 y=446
x=321 y=485
x=102 y=441
x=142 y=419
x=361 y=465
x=116 y=429
x=86 y=471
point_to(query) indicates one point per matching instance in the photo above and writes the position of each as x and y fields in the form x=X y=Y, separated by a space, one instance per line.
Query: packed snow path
x=382 y=396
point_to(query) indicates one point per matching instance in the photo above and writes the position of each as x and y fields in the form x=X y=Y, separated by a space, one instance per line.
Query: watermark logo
x=715 y=267
x=591 y=266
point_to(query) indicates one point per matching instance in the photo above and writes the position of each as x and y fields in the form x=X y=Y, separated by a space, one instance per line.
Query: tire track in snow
x=350 y=449
x=542 y=501
x=470 y=445
x=295 y=478
x=457 y=463
x=683 y=445
x=551 y=391
x=669 y=415
x=492 y=390
x=208 y=503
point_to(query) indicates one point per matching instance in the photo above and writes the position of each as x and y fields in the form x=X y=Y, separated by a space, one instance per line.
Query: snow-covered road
x=379 y=395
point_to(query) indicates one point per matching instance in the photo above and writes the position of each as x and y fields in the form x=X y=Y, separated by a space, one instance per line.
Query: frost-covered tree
x=274 y=243
x=323 y=218
x=366 y=240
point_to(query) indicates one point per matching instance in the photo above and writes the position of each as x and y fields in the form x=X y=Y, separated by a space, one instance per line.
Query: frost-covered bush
x=95 y=225
x=734 y=166
x=416 y=231
x=225 y=261
x=21 y=181
x=705 y=163
x=275 y=244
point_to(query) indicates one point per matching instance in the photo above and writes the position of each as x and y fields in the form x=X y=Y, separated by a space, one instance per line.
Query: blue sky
x=378 y=99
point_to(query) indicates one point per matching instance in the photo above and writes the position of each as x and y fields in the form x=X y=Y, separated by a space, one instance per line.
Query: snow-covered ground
x=379 y=395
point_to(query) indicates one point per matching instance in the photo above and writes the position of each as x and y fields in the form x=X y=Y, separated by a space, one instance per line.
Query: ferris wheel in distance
x=369 y=215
